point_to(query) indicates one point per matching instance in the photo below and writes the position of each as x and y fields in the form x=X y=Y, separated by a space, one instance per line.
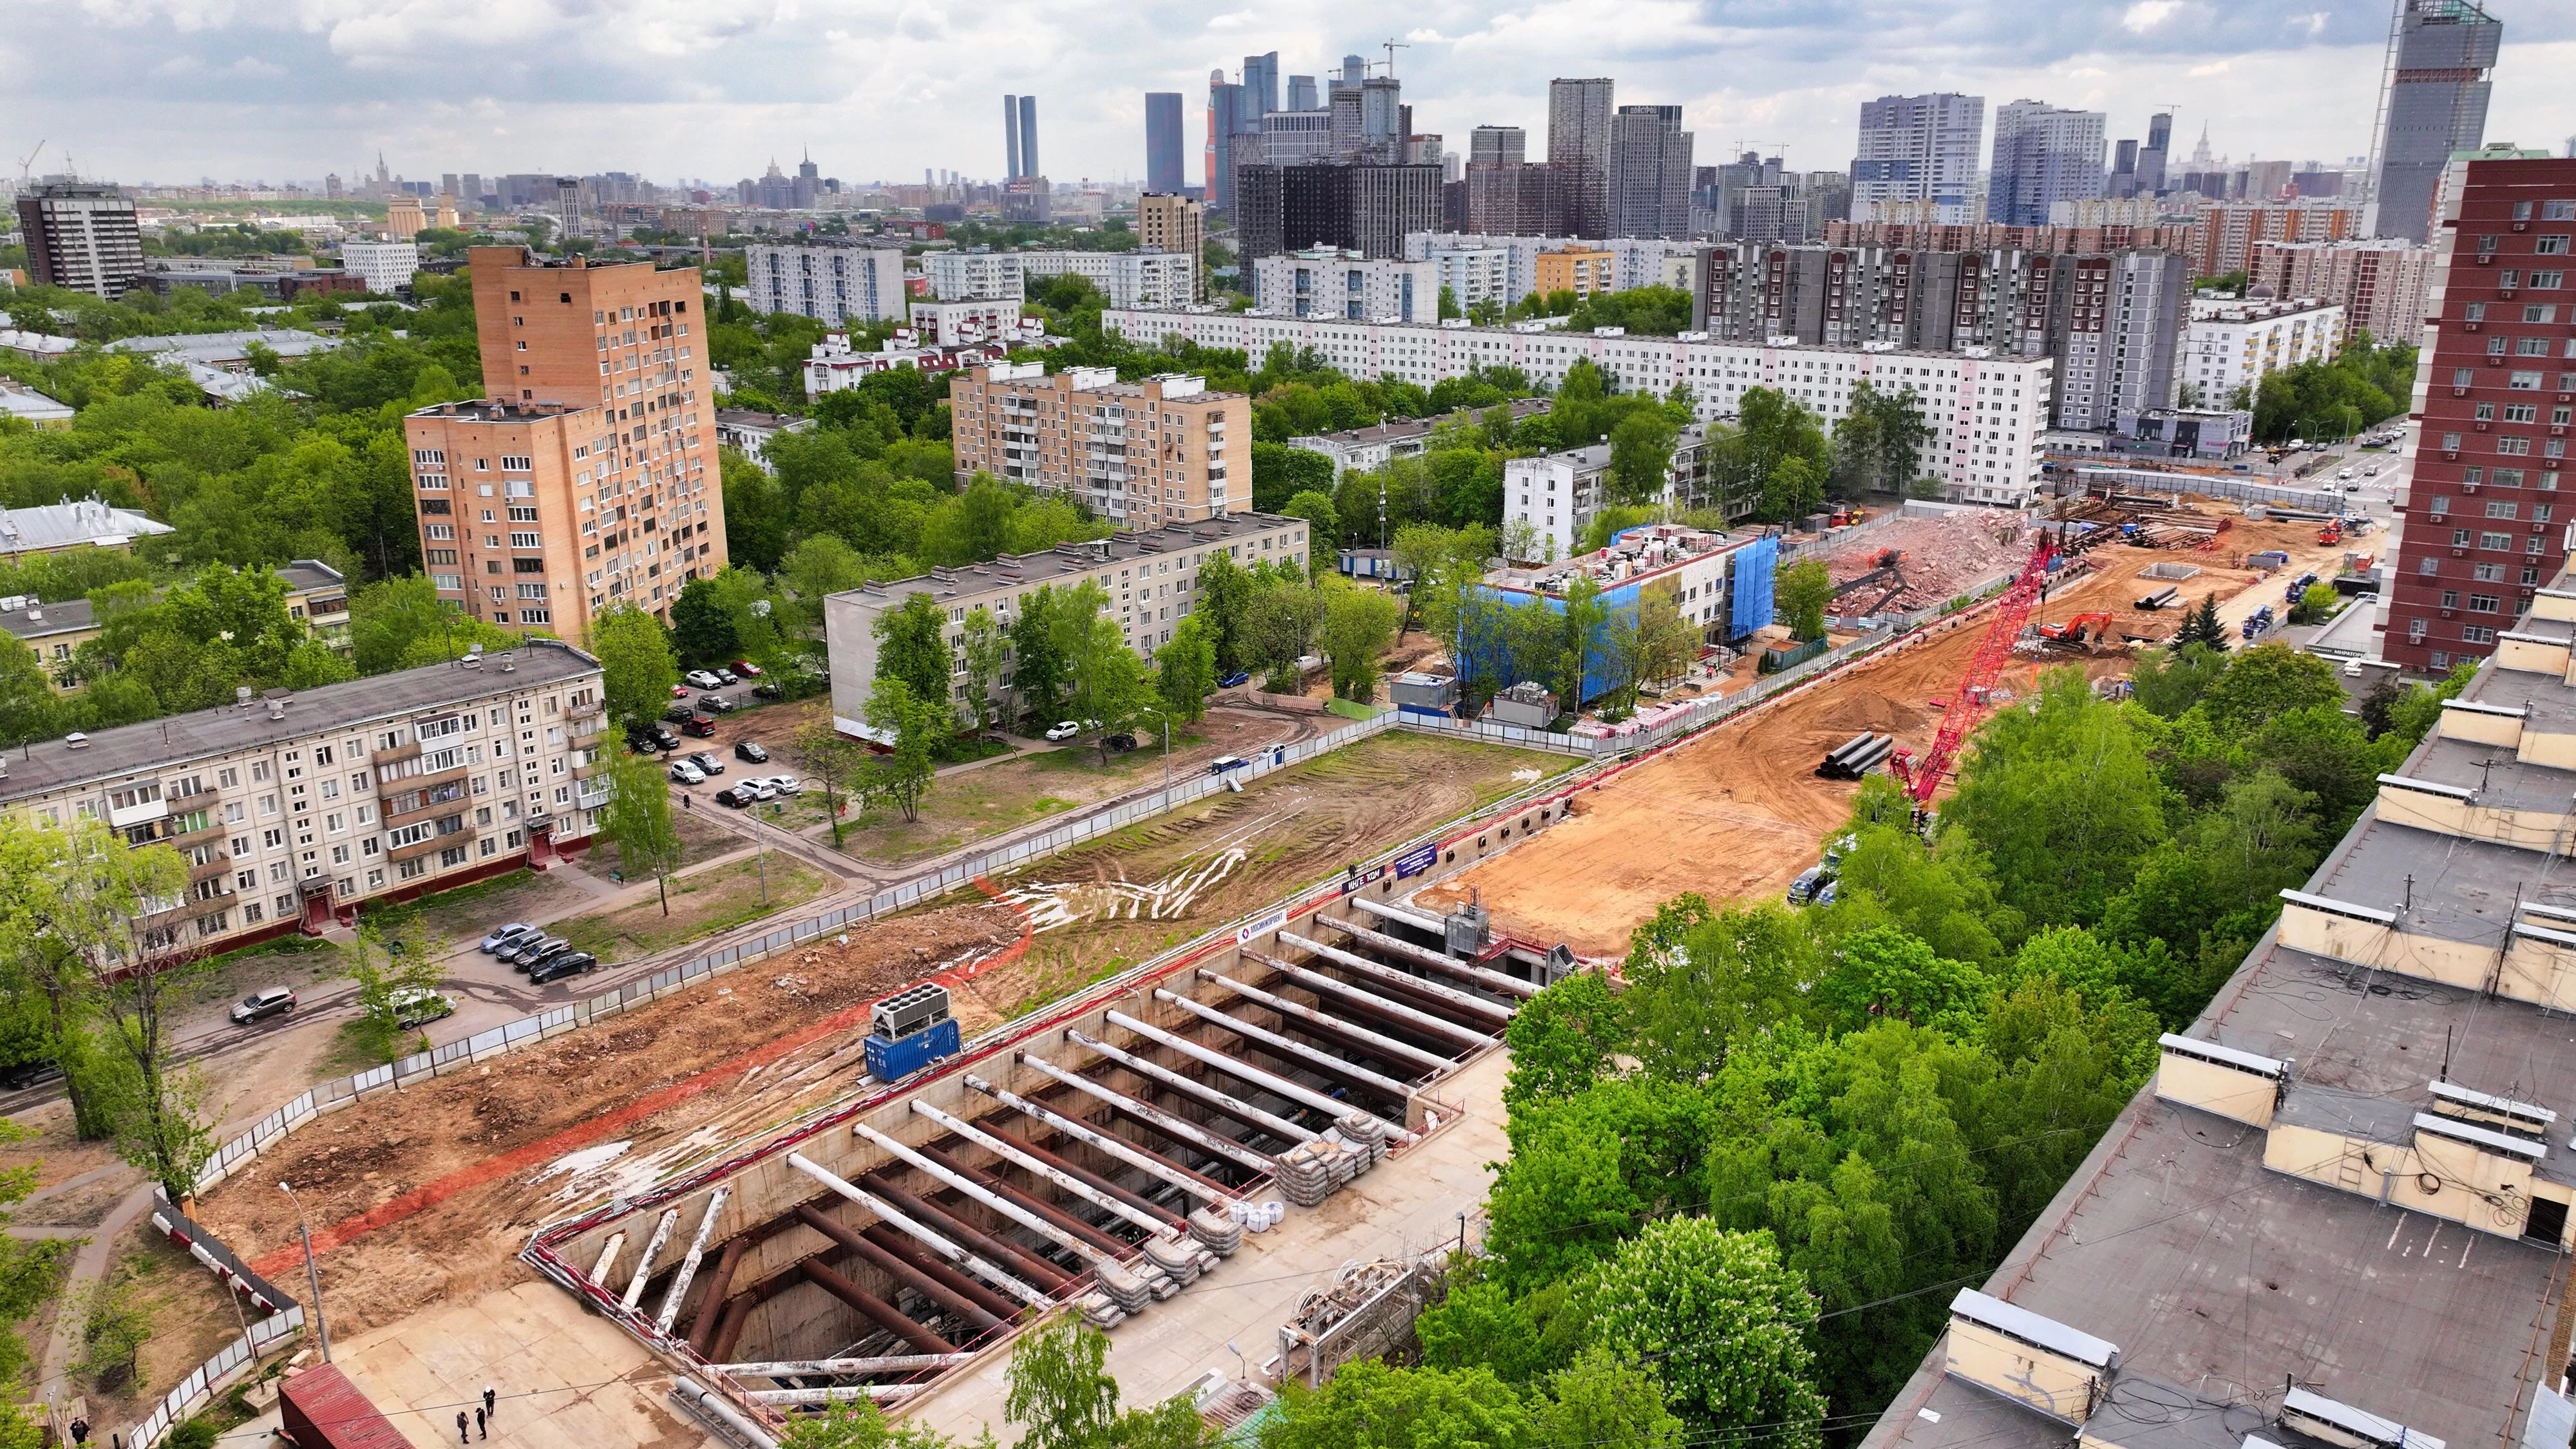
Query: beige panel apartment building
x=588 y=479
x=290 y=808
x=1169 y=223
x=1141 y=454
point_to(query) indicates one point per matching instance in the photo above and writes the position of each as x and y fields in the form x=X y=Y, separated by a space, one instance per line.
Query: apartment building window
x=2477 y=633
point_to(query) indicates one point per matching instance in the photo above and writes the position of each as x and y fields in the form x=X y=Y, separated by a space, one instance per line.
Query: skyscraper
x=2151 y=156
x=1260 y=88
x=1650 y=173
x=2043 y=154
x=1225 y=119
x=1578 y=150
x=2442 y=52
x=1029 y=137
x=1011 y=137
x=1497 y=146
x=81 y=237
x=1919 y=149
x=1301 y=93
x=1163 y=141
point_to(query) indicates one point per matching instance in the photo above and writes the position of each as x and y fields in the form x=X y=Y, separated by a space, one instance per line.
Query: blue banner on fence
x=1416 y=860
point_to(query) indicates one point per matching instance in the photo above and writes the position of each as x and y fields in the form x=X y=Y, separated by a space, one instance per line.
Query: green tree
x=1359 y=626
x=912 y=645
x=838 y=768
x=1055 y=1386
x=1725 y=1321
x=857 y=1424
x=401 y=623
x=1185 y=670
x=1587 y=639
x=26 y=696
x=1370 y=1405
x=637 y=819
x=919 y=728
x=1037 y=662
x=1224 y=593
x=634 y=653
x=1563 y=1041
x=2062 y=798
x=2201 y=627
x=1601 y=1399
x=387 y=968
x=2166 y=682
x=1323 y=522
x=29 y=1268
x=1110 y=688
x=133 y=984
x=1641 y=455
x=701 y=627
x=987 y=653
x=113 y=1330
x=2267 y=681
x=1803 y=590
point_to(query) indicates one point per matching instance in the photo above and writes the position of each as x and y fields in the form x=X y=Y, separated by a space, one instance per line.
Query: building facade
x=1636 y=261
x=838 y=285
x=1987 y=408
x=1578 y=152
x=2229 y=345
x=1497 y=146
x=1919 y=151
x=1167 y=221
x=2379 y=283
x=1551 y=501
x=1163 y=141
x=967 y=276
x=82 y=238
x=2495 y=396
x=1140 y=454
x=385 y=266
x=1580 y=270
x=2436 y=105
x=1474 y=275
x=2044 y=154
x=834 y=366
x=291 y=809
x=1141 y=278
x=1325 y=282
x=2231 y=231
x=1650 y=173
x=1149 y=577
x=316 y=597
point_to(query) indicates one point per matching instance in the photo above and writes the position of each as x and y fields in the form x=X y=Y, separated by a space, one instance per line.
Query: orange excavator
x=2073 y=631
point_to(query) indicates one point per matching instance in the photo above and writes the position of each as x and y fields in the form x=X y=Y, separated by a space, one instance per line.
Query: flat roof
x=1020 y=571
x=72 y=616
x=487 y=410
x=179 y=739
x=1761 y=345
x=1521 y=407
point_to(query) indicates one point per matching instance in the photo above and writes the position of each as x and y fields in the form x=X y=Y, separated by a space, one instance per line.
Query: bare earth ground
x=1739 y=812
x=427 y=1194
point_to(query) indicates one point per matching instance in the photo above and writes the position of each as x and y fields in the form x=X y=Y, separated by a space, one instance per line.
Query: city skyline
x=2262 y=77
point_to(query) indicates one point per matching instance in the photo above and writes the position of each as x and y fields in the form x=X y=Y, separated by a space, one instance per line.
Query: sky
x=173 y=91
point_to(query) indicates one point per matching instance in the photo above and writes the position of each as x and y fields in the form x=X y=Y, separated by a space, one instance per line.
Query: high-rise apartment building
x=1163 y=141
x=385 y=265
x=1497 y=146
x=2379 y=283
x=2436 y=104
x=1363 y=208
x=2234 y=343
x=1650 y=172
x=1325 y=282
x=588 y=480
x=2231 y=230
x=2495 y=396
x=1168 y=222
x=2043 y=154
x=81 y=237
x=1513 y=200
x=1029 y=138
x=835 y=284
x=1920 y=152
x=1578 y=150
x=1140 y=454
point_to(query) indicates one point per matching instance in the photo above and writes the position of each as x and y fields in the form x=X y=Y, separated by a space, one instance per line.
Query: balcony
x=395 y=815
x=396 y=755
x=432 y=846
x=215 y=865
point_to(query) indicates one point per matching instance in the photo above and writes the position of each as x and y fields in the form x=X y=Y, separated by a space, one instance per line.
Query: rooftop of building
x=30 y=619
x=1071 y=560
x=72 y=522
x=26 y=402
x=2254 y=309
x=214 y=347
x=280 y=716
x=1637 y=553
x=2214 y=1271
x=753 y=418
x=1546 y=326
x=495 y=410
x=1402 y=428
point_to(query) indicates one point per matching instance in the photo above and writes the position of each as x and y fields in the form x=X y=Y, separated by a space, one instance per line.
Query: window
x=2524 y=382
x=2503 y=508
x=2450 y=598
x=2548 y=281
x=2558 y=211
x=523 y=513
x=2460 y=537
x=511 y=464
x=2442 y=506
x=2415 y=634
x=2550 y=246
x=2495 y=540
x=528 y=565
x=2428 y=566
x=2483 y=603
x=2513 y=446
x=2485 y=573
x=526 y=539
x=434 y=482
x=536 y=616
x=2477 y=633
x=2450 y=442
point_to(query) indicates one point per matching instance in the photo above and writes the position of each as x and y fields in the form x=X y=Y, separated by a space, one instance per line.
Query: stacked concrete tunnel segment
x=1102 y=1159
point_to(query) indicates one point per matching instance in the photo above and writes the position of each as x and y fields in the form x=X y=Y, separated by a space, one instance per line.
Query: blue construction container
x=910 y=1030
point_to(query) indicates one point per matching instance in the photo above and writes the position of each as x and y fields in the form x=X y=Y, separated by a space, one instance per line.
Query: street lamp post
x=312 y=1277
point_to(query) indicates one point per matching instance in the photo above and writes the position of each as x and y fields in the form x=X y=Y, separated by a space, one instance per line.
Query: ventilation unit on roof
x=2060 y=1371
x=2322 y=1418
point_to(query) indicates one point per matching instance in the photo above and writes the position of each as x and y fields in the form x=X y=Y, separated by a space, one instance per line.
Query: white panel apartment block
x=838 y=285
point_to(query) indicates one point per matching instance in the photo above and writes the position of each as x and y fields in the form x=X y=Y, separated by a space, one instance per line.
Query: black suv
x=751 y=751
x=556 y=967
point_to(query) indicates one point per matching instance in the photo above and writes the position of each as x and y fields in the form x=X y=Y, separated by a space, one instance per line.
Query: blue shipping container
x=893 y=1059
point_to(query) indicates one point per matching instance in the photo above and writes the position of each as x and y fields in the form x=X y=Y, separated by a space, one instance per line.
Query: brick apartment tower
x=587 y=479
x=2485 y=522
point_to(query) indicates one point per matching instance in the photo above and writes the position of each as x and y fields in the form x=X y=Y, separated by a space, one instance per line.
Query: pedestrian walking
x=488 y=1397
x=80 y=1431
x=688 y=801
x=460 y=1428
x=478 y=1425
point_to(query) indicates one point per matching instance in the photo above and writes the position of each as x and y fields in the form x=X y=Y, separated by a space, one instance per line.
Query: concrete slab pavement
x=1407 y=1204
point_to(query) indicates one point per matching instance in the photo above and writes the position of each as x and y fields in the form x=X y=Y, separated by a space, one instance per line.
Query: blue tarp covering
x=1749 y=594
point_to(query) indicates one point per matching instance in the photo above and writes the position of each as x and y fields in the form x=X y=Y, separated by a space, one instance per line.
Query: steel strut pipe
x=729 y=1327
x=1001 y=1202
x=976 y=1315
x=608 y=1257
x=1386 y=1048
x=1438 y=961
x=956 y=1229
x=1221 y=1102
x=1412 y=1018
x=679 y=1289
x=904 y=1249
x=1152 y=1163
x=1224 y=1149
x=1108 y=1186
x=993 y=1182
x=1244 y=1071
x=652 y=1249
x=712 y=1404
x=1019 y=1156
x=837 y=1394
x=719 y=1287
x=1403 y=915
x=893 y=1363
x=1494 y=1011
x=1290 y=1049
x=888 y=1214
x=885 y=1314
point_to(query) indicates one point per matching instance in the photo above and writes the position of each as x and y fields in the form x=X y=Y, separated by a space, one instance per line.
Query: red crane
x=1967 y=708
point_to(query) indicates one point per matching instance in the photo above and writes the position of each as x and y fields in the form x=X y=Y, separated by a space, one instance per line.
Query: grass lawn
x=701 y=905
x=973 y=805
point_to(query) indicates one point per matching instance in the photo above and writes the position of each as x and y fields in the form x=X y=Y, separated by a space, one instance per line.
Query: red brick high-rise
x=2486 y=522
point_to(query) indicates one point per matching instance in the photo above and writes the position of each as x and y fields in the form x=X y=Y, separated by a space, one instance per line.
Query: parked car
x=505 y=936
x=535 y=959
x=570 y=963
x=736 y=796
x=1804 y=890
x=679 y=691
x=529 y=949
x=19 y=1076
x=767 y=690
x=679 y=711
x=760 y=789
x=702 y=678
x=1122 y=742
x=687 y=773
x=707 y=763
x=416 y=1006
x=1239 y=676
x=746 y=669
x=699 y=725
x=785 y=785
x=716 y=704
x=1062 y=730
x=727 y=676
x=659 y=736
x=263 y=1004
x=750 y=752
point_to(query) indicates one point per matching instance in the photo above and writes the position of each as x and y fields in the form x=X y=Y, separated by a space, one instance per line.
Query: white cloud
x=2146 y=15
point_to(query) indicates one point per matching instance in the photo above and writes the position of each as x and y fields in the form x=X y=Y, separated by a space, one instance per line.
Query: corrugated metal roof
x=320 y=1409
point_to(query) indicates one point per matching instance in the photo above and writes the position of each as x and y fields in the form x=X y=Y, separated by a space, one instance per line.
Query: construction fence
x=2207 y=485
x=235 y=1358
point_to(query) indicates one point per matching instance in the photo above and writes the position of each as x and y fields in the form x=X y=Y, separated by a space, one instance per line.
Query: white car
x=2345 y=474
x=761 y=790
x=785 y=784
x=687 y=774
x=1062 y=730
x=418 y=1005
x=704 y=679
